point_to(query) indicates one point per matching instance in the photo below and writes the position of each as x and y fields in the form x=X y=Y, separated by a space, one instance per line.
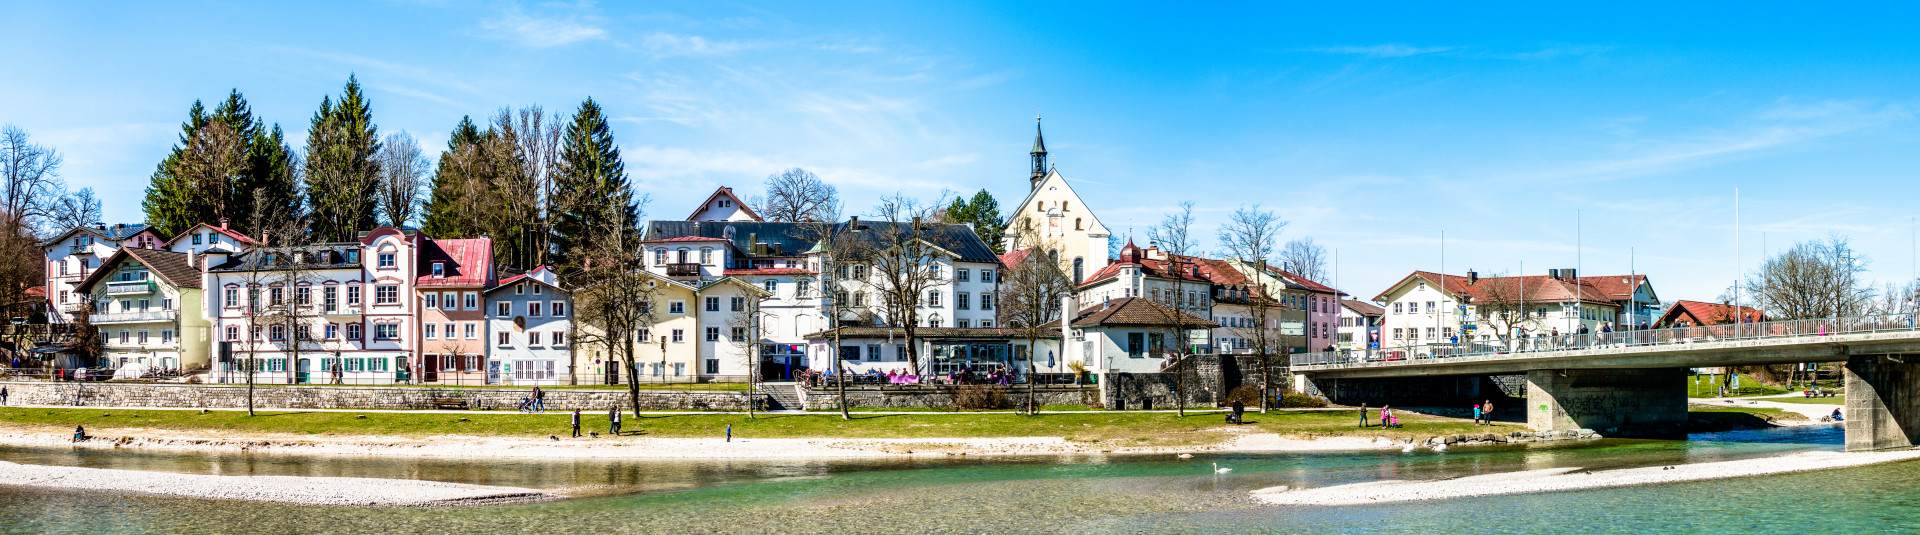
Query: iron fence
x=1541 y=345
x=444 y=379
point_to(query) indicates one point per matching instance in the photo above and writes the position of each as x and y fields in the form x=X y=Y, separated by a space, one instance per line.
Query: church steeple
x=1039 y=155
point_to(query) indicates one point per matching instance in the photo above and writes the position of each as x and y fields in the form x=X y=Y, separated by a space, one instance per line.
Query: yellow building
x=1054 y=215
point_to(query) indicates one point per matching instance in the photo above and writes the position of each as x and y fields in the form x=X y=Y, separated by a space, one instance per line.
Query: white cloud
x=663 y=45
x=1386 y=50
x=541 y=32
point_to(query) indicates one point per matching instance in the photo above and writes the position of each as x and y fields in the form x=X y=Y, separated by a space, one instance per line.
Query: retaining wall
x=188 y=396
x=941 y=396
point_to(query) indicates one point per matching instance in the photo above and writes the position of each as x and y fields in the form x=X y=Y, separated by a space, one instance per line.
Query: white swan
x=1408 y=448
x=1186 y=456
x=1440 y=447
x=1218 y=470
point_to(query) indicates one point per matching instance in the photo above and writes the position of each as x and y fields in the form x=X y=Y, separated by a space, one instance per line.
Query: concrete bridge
x=1639 y=378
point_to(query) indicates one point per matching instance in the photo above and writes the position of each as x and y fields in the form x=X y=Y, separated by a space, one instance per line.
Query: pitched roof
x=1013 y=258
x=230 y=233
x=1530 y=288
x=728 y=192
x=469 y=262
x=1705 y=313
x=1302 y=283
x=115 y=232
x=1136 y=311
x=1363 y=308
x=767 y=271
x=172 y=268
x=685 y=239
x=929 y=332
x=257 y=258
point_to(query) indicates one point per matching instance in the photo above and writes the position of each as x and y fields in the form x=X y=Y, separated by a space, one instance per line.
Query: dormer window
x=353 y=256
x=439 y=269
x=213 y=237
x=196 y=238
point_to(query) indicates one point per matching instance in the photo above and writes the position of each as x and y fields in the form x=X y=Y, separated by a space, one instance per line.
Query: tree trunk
x=633 y=380
x=840 y=373
x=1266 y=385
x=1033 y=406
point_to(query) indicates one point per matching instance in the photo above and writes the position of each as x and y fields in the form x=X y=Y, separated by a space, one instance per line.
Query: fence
x=1546 y=343
x=363 y=378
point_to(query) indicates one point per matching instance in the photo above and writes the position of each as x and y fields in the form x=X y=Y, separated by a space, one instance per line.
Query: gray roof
x=793 y=239
x=115 y=232
x=254 y=259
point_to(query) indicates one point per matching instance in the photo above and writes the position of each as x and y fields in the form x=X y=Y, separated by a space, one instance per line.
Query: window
x=713 y=304
x=538 y=289
x=986 y=303
x=429 y=331
x=386 y=260
x=1429 y=333
x=448 y=328
x=659 y=256
x=646 y=335
x=275 y=295
x=386 y=331
x=433 y=300
x=1413 y=307
x=233 y=333
x=1446 y=333
x=960 y=323
x=737 y=303
x=303 y=296
x=739 y=333
x=533 y=308
x=353 y=331
x=141 y=336
x=859 y=299
x=472 y=330
x=330 y=298
x=1396 y=308
x=960 y=301
x=196 y=238
x=503 y=339
x=986 y=323
x=933 y=298
x=676 y=307
x=1432 y=309
x=386 y=294
x=559 y=338
x=439 y=269
x=533 y=338
x=706 y=256
x=274 y=332
x=333 y=331
x=144 y=303
x=1136 y=345
x=353 y=256
x=713 y=334
x=679 y=335
x=933 y=322
x=503 y=308
x=962 y=274
x=771 y=286
x=559 y=309
x=303 y=332
x=472 y=301
x=803 y=288
x=353 y=295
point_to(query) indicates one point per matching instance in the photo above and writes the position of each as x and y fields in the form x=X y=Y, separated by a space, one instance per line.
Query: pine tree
x=589 y=185
x=175 y=202
x=342 y=172
x=440 y=216
x=984 y=213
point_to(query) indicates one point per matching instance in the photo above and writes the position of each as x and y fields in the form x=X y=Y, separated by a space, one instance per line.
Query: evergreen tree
x=984 y=213
x=442 y=215
x=178 y=197
x=590 y=184
x=342 y=175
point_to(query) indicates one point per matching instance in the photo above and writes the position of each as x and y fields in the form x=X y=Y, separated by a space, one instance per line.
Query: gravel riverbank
x=355 y=491
x=1561 y=479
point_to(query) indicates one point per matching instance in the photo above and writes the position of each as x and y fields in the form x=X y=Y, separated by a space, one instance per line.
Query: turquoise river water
x=1053 y=494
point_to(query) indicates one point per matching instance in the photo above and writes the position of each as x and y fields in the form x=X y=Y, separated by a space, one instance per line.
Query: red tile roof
x=1704 y=313
x=1013 y=258
x=1137 y=311
x=469 y=262
x=1531 y=287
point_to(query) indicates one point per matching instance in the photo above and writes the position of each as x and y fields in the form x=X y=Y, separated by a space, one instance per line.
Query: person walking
x=1476 y=415
x=613 y=421
x=1486 y=411
x=729 y=432
x=1363 y=416
x=3 y=395
x=539 y=399
x=576 y=423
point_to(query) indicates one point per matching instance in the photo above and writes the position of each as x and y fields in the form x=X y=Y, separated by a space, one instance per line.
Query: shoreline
x=1565 y=479
x=297 y=490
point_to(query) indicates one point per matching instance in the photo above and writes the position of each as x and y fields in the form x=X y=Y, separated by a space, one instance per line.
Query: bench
x=1821 y=394
x=450 y=404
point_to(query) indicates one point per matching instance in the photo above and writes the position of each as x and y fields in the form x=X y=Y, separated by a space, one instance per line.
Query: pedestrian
x=79 y=433
x=1486 y=411
x=613 y=421
x=1476 y=414
x=539 y=399
x=1239 y=410
x=1363 y=416
x=3 y=395
x=729 y=432
x=576 y=423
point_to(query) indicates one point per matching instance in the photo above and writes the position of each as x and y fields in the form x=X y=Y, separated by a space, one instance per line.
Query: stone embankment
x=192 y=396
x=350 y=491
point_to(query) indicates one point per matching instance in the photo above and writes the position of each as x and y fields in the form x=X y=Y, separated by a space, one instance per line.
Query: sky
x=1609 y=138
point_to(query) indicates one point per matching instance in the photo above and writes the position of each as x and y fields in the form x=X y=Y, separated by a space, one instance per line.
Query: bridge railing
x=1531 y=343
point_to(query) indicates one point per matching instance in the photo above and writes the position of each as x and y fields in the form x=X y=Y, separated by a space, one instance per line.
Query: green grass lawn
x=1703 y=386
x=1118 y=428
x=1836 y=400
x=677 y=387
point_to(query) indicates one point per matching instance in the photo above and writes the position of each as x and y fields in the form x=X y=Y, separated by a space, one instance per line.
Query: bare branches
x=903 y=261
x=76 y=209
x=1175 y=233
x=1305 y=258
x=1250 y=234
x=796 y=195
x=1814 y=279
x=29 y=177
x=403 y=172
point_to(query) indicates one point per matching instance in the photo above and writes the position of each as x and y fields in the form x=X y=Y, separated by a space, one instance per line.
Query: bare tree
x=1303 y=257
x=1250 y=236
x=1175 y=233
x=1502 y=307
x=796 y=195
x=834 y=249
x=1896 y=298
x=403 y=172
x=29 y=177
x=77 y=209
x=526 y=146
x=905 y=262
x=1814 y=279
x=1029 y=300
x=615 y=292
x=1174 y=236
x=749 y=326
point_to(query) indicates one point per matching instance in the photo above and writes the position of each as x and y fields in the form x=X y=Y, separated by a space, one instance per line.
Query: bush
x=1300 y=401
x=980 y=397
x=1246 y=395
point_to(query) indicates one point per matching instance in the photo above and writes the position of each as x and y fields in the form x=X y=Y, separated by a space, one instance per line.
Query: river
x=1054 y=494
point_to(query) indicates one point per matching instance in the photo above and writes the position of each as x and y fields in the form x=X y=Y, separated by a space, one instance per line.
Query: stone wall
x=1883 y=403
x=349 y=397
x=941 y=396
x=1150 y=391
x=1612 y=401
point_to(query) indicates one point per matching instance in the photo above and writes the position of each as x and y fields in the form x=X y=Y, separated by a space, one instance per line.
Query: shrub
x=979 y=397
x=1300 y=401
x=1247 y=395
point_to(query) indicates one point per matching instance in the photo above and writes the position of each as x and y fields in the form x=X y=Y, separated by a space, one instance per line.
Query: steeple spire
x=1039 y=155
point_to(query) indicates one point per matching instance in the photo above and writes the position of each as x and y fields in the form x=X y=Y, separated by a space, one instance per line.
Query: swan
x=1218 y=470
x=1439 y=447
x=1186 y=456
x=1408 y=448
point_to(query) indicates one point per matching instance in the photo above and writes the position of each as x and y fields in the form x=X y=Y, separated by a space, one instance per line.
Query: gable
x=1053 y=190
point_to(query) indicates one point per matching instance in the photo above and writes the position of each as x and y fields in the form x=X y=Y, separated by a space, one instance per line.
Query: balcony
x=79 y=249
x=135 y=317
x=69 y=307
x=342 y=311
x=683 y=269
x=129 y=288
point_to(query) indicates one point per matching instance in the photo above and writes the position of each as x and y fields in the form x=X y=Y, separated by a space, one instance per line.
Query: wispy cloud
x=663 y=45
x=1775 y=127
x=541 y=32
x=1386 y=50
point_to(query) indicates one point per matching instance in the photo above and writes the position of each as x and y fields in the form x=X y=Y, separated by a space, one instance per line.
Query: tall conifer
x=342 y=173
x=590 y=184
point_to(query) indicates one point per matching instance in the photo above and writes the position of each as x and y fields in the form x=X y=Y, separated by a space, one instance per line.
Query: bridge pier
x=1883 y=401
x=1606 y=399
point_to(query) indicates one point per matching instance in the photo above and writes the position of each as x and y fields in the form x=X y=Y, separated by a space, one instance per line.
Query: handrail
x=1540 y=345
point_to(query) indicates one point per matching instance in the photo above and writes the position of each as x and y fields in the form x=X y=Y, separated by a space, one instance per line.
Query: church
x=1054 y=219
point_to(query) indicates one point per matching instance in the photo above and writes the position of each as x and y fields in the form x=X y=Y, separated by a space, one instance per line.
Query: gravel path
x=282 y=489
x=1560 y=479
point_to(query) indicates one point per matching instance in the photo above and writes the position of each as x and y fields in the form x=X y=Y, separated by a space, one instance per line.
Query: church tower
x=1039 y=157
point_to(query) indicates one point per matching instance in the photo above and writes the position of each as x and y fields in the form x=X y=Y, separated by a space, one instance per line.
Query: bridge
x=1638 y=379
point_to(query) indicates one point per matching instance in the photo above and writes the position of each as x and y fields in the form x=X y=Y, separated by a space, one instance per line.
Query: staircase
x=783 y=396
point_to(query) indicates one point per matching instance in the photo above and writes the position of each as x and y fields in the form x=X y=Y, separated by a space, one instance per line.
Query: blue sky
x=1371 y=130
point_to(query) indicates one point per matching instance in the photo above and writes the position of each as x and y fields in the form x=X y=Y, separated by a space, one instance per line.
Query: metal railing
x=1541 y=345
x=133 y=317
x=705 y=383
x=129 y=288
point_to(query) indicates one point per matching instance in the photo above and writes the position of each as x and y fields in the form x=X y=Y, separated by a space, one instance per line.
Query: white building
x=1056 y=219
x=1429 y=308
x=1359 y=325
x=76 y=253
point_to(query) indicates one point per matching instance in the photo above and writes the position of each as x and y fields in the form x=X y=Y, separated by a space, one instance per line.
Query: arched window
x=1076 y=224
x=1079 y=269
x=1063 y=206
x=1039 y=206
x=1053 y=255
x=706 y=255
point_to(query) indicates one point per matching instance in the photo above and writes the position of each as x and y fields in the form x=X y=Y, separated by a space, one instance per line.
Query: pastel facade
x=147 y=309
x=319 y=313
x=451 y=338
x=1054 y=217
x=530 y=328
x=73 y=255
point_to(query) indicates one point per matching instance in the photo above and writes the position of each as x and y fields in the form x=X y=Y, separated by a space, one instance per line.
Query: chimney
x=1553 y=274
x=1570 y=274
x=223 y=223
x=1472 y=277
